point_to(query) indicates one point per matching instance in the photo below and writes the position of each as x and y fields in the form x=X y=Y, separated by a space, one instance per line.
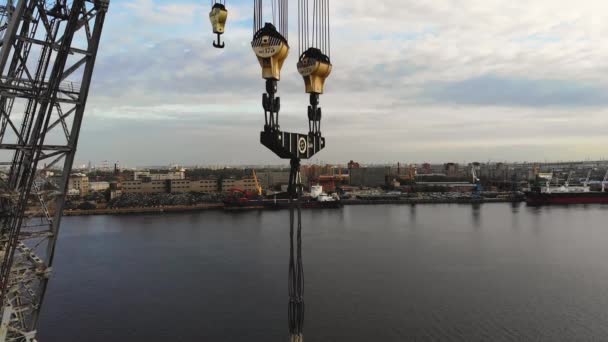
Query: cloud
x=492 y=90
x=412 y=80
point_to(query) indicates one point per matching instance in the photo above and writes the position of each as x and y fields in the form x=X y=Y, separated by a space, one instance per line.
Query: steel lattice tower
x=47 y=55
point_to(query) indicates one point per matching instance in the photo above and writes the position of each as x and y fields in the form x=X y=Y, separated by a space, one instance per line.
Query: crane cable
x=315 y=34
x=314 y=63
x=279 y=11
x=296 y=269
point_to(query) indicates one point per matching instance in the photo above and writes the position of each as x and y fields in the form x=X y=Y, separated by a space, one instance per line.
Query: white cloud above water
x=413 y=81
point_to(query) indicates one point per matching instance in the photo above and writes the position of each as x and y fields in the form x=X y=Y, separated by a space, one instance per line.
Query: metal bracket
x=292 y=145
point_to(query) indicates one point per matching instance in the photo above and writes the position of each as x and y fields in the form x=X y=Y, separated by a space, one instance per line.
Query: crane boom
x=48 y=49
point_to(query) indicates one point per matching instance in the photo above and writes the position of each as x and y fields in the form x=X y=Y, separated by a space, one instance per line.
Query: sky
x=412 y=81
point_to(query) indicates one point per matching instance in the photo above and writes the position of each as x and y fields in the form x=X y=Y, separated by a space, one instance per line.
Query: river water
x=495 y=272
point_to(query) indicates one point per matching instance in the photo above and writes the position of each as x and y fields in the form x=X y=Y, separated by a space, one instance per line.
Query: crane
x=567 y=183
x=475 y=180
x=258 y=188
x=48 y=50
x=586 y=182
x=271 y=46
x=47 y=56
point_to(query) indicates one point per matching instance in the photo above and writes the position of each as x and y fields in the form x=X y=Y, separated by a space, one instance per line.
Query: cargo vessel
x=545 y=198
x=566 y=194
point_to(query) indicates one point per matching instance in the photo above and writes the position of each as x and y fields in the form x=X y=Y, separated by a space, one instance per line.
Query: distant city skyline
x=101 y=165
x=468 y=80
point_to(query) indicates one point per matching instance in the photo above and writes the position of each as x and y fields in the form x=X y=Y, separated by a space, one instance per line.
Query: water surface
x=496 y=272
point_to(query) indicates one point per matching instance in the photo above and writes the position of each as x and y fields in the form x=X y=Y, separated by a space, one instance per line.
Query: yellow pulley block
x=218 y=17
x=271 y=49
x=314 y=67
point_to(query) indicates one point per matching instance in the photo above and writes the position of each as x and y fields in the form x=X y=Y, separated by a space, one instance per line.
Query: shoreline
x=144 y=210
x=220 y=206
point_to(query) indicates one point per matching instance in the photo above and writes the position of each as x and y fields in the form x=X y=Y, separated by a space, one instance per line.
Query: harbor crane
x=48 y=50
x=476 y=180
x=271 y=46
x=47 y=55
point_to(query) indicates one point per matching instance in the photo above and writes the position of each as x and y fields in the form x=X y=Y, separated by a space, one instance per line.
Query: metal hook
x=219 y=44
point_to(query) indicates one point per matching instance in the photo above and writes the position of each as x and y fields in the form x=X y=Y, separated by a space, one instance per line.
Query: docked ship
x=317 y=199
x=566 y=194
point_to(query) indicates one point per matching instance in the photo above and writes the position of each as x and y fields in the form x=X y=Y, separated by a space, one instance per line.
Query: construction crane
x=47 y=55
x=258 y=187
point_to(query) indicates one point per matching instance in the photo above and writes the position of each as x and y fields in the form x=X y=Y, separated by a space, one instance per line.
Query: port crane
x=476 y=180
x=586 y=182
x=48 y=50
x=567 y=183
x=258 y=187
x=47 y=56
x=271 y=46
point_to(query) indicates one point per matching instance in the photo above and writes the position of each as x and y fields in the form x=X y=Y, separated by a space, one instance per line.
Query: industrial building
x=78 y=184
x=144 y=187
x=369 y=176
x=204 y=185
x=169 y=175
x=98 y=186
x=272 y=179
x=245 y=184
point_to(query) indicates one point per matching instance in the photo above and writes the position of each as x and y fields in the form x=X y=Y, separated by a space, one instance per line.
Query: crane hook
x=219 y=44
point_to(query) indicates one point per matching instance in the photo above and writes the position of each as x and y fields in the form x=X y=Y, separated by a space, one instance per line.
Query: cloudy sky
x=413 y=81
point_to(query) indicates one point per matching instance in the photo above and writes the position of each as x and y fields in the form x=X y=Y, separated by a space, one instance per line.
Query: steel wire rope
x=296 y=269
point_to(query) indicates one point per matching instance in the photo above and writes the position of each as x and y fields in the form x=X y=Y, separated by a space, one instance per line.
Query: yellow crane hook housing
x=315 y=67
x=218 y=17
x=271 y=49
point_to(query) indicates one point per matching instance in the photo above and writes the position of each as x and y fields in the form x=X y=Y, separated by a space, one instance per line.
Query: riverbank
x=433 y=201
x=220 y=206
x=144 y=210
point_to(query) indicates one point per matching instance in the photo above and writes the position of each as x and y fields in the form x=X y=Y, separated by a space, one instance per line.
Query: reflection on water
x=476 y=214
x=413 y=213
x=372 y=274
